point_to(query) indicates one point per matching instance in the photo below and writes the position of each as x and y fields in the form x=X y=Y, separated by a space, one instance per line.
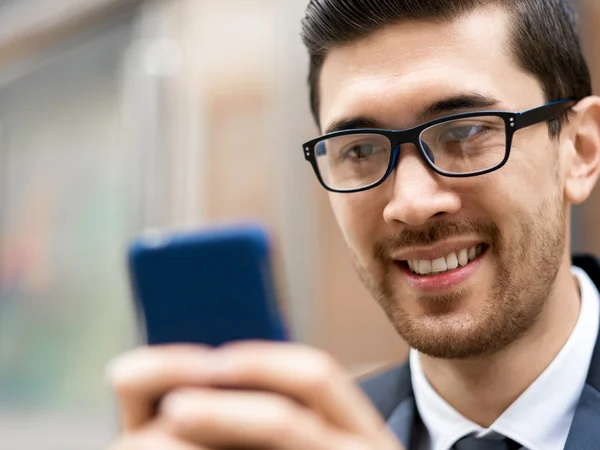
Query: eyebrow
x=446 y=105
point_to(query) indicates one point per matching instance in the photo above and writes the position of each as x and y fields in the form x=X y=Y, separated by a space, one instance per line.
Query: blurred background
x=122 y=115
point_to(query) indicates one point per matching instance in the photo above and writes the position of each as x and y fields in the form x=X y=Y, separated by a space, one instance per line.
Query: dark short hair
x=544 y=36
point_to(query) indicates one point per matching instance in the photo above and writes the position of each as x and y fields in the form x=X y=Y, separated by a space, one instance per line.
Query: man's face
x=514 y=218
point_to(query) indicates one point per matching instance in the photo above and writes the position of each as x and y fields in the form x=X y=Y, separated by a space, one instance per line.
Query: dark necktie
x=472 y=443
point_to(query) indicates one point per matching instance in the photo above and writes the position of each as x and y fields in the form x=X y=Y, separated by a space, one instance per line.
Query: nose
x=418 y=193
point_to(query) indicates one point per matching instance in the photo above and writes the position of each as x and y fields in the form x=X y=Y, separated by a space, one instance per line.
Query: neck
x=474 y=386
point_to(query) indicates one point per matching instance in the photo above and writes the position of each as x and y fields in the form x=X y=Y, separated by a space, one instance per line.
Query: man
x=457 y=135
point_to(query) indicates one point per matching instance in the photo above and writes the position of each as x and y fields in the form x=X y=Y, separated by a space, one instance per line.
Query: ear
x=582 y=165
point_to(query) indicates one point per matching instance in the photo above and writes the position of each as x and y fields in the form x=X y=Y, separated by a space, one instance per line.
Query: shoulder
x=387 y=388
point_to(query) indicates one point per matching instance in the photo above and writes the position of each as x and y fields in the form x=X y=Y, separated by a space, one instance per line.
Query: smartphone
x=211 y=286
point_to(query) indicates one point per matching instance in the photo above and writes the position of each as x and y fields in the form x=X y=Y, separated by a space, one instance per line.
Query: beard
x=526 y=269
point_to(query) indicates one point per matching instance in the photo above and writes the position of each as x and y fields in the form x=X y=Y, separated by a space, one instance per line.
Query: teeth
x=463 y=258
x=472 y=253
x=443 y=264
x=424 y=267
x=439 y=265
x=452 y=261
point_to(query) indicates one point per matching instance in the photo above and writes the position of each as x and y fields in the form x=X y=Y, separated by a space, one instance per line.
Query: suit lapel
x=402 y=421
x=585 y=433
x=585 y=430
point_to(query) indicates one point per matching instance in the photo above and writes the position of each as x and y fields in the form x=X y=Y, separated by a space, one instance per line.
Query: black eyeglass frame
x=513 y=122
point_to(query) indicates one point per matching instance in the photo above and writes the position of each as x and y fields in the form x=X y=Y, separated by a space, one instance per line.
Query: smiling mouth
x=453 y=261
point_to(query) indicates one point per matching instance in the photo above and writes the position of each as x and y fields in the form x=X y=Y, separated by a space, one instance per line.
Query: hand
x=251 y=395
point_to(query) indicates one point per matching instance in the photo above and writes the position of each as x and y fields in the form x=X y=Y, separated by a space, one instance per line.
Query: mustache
x=439 y=231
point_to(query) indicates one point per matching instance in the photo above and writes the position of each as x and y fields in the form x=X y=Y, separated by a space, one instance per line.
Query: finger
x=153 y=440
x=223 y=418
x=142 y=376
x=303 y=373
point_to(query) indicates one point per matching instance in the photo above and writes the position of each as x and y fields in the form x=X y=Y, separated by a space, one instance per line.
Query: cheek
x=520 y=198
x=534 y=162
x=359 y=218
x=528 y=180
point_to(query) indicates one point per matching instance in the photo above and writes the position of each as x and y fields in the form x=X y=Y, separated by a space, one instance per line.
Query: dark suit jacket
x=391 y=392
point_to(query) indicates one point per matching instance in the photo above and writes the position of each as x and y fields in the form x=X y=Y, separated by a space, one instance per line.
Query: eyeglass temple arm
x=543 y=113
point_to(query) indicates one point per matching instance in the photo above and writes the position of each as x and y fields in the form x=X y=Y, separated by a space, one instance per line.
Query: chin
x=449 y=331
x=448 y=343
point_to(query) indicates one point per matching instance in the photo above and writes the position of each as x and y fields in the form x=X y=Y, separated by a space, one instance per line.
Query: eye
x=463 y=133
x=359 y=151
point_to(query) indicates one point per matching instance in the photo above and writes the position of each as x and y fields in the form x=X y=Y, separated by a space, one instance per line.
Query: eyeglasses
x=461 y=145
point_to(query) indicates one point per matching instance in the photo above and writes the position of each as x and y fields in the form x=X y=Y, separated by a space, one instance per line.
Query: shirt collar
x=536 y=420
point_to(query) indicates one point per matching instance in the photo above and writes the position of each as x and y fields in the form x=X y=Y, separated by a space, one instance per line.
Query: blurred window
x=65 y=214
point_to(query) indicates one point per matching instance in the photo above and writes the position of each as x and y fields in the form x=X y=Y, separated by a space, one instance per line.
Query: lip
x=442 y=282
x=442 y=249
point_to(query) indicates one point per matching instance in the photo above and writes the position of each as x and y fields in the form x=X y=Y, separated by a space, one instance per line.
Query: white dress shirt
x=541 y=417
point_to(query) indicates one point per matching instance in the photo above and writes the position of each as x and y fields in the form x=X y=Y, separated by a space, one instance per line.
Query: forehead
x=396 y=71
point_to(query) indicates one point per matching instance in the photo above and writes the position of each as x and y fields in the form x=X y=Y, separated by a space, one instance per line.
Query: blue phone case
x=209 y=287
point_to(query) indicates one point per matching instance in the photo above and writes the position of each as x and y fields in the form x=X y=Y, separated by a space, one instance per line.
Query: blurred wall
x=586 y=233
x=67 y=204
